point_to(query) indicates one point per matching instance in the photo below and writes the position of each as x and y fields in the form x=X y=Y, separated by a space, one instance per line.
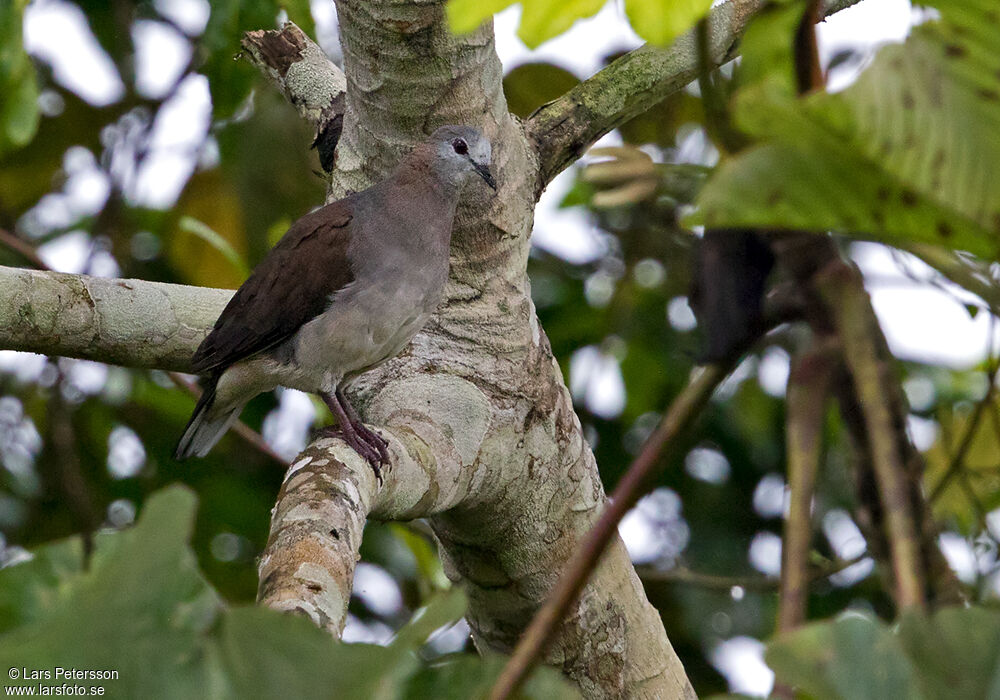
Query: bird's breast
x=368 y=322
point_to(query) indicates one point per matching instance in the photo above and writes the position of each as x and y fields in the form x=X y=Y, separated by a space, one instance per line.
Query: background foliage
x=85 y=448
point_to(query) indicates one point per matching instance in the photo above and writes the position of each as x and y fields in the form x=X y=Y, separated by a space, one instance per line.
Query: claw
x=372 y=454
x=366 y=442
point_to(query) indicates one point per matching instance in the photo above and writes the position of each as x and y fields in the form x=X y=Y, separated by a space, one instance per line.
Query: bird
x=345 y=289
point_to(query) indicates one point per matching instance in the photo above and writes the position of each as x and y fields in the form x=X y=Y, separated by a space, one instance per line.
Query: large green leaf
x=19 y=114
x=853 y=658
x=909 y=153
x=265 y=655
x=952 y=655
x=957 y=652
x=656 y=21
x=662 y=21
x=32 y=589
x=530 y=85
x=464 y=676
x=142 y=608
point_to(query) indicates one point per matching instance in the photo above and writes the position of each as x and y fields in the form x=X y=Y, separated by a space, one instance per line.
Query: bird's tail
x=206 y=426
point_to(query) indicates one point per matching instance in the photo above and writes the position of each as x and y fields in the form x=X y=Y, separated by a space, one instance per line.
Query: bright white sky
x=920 y=321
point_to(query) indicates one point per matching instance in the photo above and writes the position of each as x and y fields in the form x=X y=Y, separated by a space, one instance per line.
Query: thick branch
x=480 y=385
x=566 y=127
x=316 y=527
x=126 y=322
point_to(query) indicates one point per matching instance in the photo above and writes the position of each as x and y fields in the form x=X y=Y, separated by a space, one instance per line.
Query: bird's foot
x=375 y=440
x=375 y=454
x=360 y=437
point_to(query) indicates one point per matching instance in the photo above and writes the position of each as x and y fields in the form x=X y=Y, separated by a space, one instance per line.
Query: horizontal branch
x=756 y=583
x=156 y=325
x=119 y=321
x=565 y=128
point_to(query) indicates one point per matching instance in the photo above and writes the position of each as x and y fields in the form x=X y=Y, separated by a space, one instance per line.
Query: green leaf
x=662 y=21
x=909 y=153
x=143 y=609
x=444 y=608
x=139 y=609
x=465 y=16
x=656 y=21
x=19 y=114
x=957 y=652
x=541 y=20
x=530 y=85
x=268 y=655
x=768 y=46
x=430 y=572
x=853 y=658
x=464 y=676
x=31 y=589
x=200 y=230
x=952 y=655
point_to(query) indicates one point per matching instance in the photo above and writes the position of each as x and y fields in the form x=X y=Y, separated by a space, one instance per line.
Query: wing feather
x=290 y=287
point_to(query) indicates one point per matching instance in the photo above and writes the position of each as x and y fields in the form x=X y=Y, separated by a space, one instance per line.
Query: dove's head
x=461 y=152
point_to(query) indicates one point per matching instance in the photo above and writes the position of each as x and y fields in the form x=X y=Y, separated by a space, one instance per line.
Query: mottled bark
x=126 y=322
x=508 y=480
x=316 y=87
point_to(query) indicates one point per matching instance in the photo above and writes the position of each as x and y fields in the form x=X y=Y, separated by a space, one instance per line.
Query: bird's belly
x=355 y=335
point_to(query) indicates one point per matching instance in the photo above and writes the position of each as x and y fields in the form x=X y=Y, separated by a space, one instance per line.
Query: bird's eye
x=460 y=146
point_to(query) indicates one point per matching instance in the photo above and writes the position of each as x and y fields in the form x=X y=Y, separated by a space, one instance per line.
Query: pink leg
x=351 y=430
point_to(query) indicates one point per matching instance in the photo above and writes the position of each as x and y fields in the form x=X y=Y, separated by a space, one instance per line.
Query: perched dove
x=345 y=289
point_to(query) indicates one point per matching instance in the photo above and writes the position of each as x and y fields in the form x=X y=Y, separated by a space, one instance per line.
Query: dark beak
x=484 y=172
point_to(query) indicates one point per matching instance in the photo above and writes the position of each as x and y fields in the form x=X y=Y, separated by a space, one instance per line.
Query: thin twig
x=751 y=583
x=958 y=458
x=685 y=408
x=22 y=248
x=808 y=387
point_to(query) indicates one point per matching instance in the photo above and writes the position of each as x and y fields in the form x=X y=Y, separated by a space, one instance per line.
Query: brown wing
x=290 y=287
